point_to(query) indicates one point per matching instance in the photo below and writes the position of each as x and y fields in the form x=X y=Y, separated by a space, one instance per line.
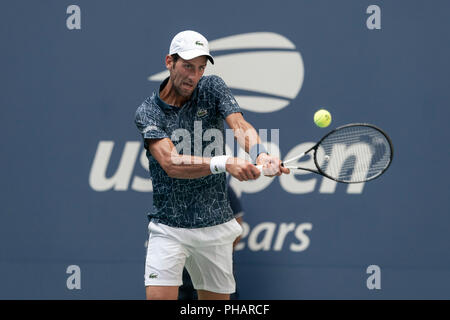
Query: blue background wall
x=65 y=92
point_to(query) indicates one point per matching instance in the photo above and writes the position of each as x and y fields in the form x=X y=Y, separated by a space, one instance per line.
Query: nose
x=196 y=73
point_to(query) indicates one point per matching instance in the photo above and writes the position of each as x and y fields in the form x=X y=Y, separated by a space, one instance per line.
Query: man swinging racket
x=191 y=223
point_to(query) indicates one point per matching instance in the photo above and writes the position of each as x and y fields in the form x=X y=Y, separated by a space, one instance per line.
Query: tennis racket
x=353 y=153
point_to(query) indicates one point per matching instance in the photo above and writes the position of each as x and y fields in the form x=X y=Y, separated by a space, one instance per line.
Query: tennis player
x=191 y=222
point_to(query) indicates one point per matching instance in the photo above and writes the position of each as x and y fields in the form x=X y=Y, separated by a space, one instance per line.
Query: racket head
x=354 y=153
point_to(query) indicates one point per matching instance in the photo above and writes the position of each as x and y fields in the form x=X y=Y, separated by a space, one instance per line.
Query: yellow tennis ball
x=322 y=118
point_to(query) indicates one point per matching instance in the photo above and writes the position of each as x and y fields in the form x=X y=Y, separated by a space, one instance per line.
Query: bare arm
x=176 y=165
x=247 y=137
x=192 y=167
x=244 y=132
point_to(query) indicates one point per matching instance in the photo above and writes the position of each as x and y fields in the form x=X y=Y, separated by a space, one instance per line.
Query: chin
x=187 y=93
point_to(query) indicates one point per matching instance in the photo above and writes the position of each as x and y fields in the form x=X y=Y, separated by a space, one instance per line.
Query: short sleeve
x=227 y=104
x=150 y=122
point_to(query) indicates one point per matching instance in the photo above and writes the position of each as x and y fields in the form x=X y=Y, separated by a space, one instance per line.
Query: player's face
x=185 y=74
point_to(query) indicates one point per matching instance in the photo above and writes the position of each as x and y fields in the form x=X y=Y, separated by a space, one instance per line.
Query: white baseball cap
x=189 y=45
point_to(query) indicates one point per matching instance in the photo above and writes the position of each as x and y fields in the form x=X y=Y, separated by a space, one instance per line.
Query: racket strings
x=354 y=154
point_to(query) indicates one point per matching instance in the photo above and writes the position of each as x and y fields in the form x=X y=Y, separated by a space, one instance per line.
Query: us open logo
x=263 y=69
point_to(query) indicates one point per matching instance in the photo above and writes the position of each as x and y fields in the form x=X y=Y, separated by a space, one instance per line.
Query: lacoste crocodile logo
x=201 y=113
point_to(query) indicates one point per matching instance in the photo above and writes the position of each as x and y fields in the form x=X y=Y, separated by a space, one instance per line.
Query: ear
x=169 y=61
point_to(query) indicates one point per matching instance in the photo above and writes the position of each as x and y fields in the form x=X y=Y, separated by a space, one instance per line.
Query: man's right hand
x=242 y=170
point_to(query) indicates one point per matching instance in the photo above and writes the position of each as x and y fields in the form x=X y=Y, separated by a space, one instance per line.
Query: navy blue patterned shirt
x=189 y=203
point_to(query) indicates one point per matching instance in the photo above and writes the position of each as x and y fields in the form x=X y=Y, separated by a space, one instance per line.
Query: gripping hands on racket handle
x=271 y=166
x=243 y=170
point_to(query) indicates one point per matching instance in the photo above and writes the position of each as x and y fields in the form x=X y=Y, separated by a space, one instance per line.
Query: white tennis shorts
x=207 y=254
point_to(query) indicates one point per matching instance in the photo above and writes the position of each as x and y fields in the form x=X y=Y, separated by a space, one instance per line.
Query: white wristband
x=218 y=164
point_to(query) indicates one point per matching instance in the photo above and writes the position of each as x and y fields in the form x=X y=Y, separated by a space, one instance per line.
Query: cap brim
x=191 y=54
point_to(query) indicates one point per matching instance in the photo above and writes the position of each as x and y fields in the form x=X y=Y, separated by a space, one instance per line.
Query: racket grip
x=260 y=168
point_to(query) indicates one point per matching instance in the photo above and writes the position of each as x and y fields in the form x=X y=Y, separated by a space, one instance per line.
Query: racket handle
x=260 y=168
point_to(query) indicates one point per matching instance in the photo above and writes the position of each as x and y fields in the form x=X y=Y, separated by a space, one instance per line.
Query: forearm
x=246 y=135
x=192 y=167
x=178 y=165
x=188 y=167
